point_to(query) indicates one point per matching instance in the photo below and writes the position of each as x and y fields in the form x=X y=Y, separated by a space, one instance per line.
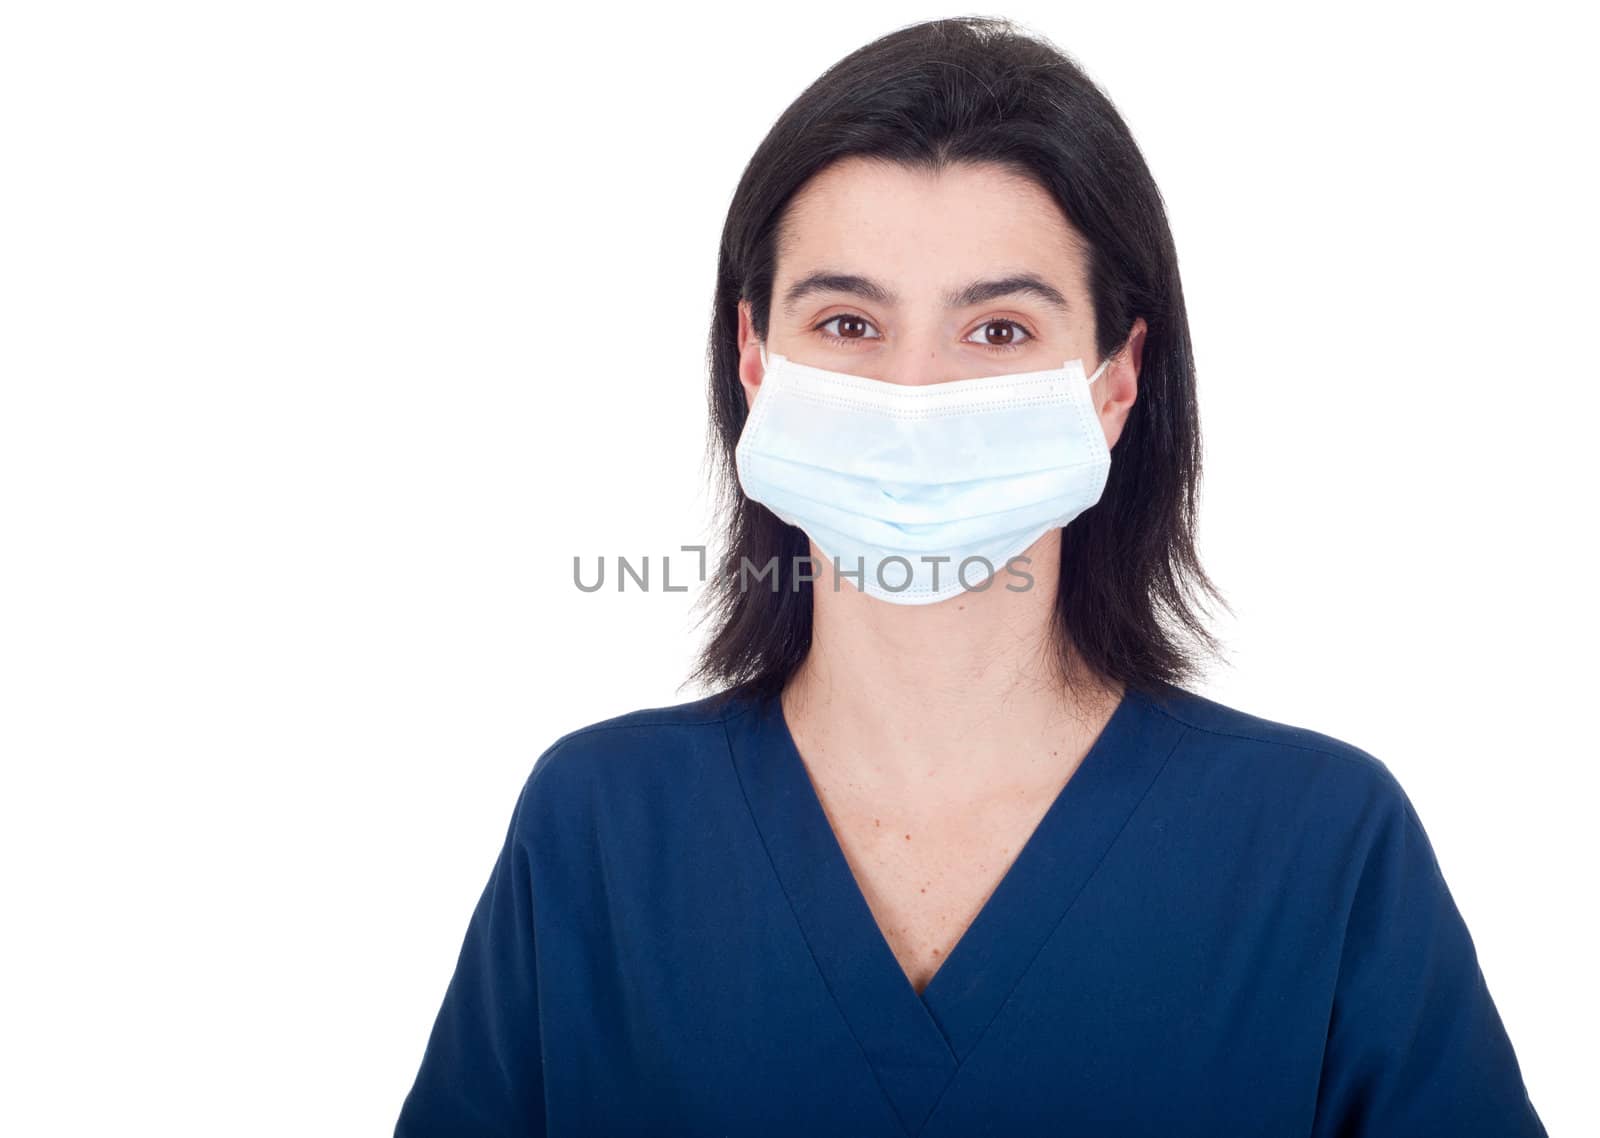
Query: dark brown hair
x=980 y=90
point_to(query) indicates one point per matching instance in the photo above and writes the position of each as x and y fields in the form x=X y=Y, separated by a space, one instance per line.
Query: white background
x=331 y=332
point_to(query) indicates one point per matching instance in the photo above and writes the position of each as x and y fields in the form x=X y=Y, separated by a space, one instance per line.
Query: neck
x=967 y=690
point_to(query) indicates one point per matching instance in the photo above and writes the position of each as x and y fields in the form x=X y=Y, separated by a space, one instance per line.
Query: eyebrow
x=978 y=292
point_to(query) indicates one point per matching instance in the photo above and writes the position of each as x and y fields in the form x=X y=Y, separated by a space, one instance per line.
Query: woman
x=952 y=852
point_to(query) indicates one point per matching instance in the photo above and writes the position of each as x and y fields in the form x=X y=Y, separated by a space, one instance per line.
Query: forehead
x=922 y=229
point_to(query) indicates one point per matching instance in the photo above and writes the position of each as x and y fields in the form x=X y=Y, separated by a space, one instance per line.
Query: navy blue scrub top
x=1222 y=926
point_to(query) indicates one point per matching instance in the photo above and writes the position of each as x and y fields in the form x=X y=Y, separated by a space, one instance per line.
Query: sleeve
x=1415 y=1044
x=482 y=1070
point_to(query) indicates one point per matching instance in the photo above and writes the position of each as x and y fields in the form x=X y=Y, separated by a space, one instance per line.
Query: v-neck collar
x=915 y=1044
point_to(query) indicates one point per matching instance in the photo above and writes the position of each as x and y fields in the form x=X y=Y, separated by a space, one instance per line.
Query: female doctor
x=951 y=851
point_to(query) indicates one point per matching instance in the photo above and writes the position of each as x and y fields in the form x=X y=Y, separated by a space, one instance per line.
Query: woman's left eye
x=1008 y=337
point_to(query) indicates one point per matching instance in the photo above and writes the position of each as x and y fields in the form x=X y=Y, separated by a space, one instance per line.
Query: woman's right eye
x=848 y=321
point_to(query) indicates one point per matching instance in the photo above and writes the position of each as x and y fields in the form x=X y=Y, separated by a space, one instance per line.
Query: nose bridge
x=920 y=359
x=922 y=374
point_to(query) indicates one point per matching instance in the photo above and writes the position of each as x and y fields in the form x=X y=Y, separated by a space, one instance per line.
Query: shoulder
x=652 y=726
x=1255 y=759
x=645 y=752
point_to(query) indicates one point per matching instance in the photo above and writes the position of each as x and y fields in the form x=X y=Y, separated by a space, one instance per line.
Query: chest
x=708 y=961
x=927 y=866
x=739 y=986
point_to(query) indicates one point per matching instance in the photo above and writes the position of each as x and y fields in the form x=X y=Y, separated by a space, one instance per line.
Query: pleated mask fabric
x=922 y=492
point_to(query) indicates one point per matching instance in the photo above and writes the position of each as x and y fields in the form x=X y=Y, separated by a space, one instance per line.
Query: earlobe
x=1120 y=399
x=1122 y=389
x=751 y=373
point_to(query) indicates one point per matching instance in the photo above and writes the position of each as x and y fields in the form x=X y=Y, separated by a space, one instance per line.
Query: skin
x=937 y=735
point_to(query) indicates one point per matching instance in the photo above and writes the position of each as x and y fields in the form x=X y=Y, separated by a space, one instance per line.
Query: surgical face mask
x=918 y=493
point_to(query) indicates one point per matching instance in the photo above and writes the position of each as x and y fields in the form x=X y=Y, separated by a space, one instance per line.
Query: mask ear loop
x=1103 y=365
x=763 y=346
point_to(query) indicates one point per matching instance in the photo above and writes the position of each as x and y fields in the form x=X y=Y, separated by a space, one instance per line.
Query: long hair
x=980 y=90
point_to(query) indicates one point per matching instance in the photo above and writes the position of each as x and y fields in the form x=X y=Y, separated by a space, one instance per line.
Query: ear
x=1116 y=390
x=750 y=369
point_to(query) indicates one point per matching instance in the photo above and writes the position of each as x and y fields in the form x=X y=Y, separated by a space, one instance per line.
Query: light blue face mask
x=922 y=492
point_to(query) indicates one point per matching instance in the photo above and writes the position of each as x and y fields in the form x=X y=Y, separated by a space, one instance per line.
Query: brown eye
x=1002 y=333
x=850 y=327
